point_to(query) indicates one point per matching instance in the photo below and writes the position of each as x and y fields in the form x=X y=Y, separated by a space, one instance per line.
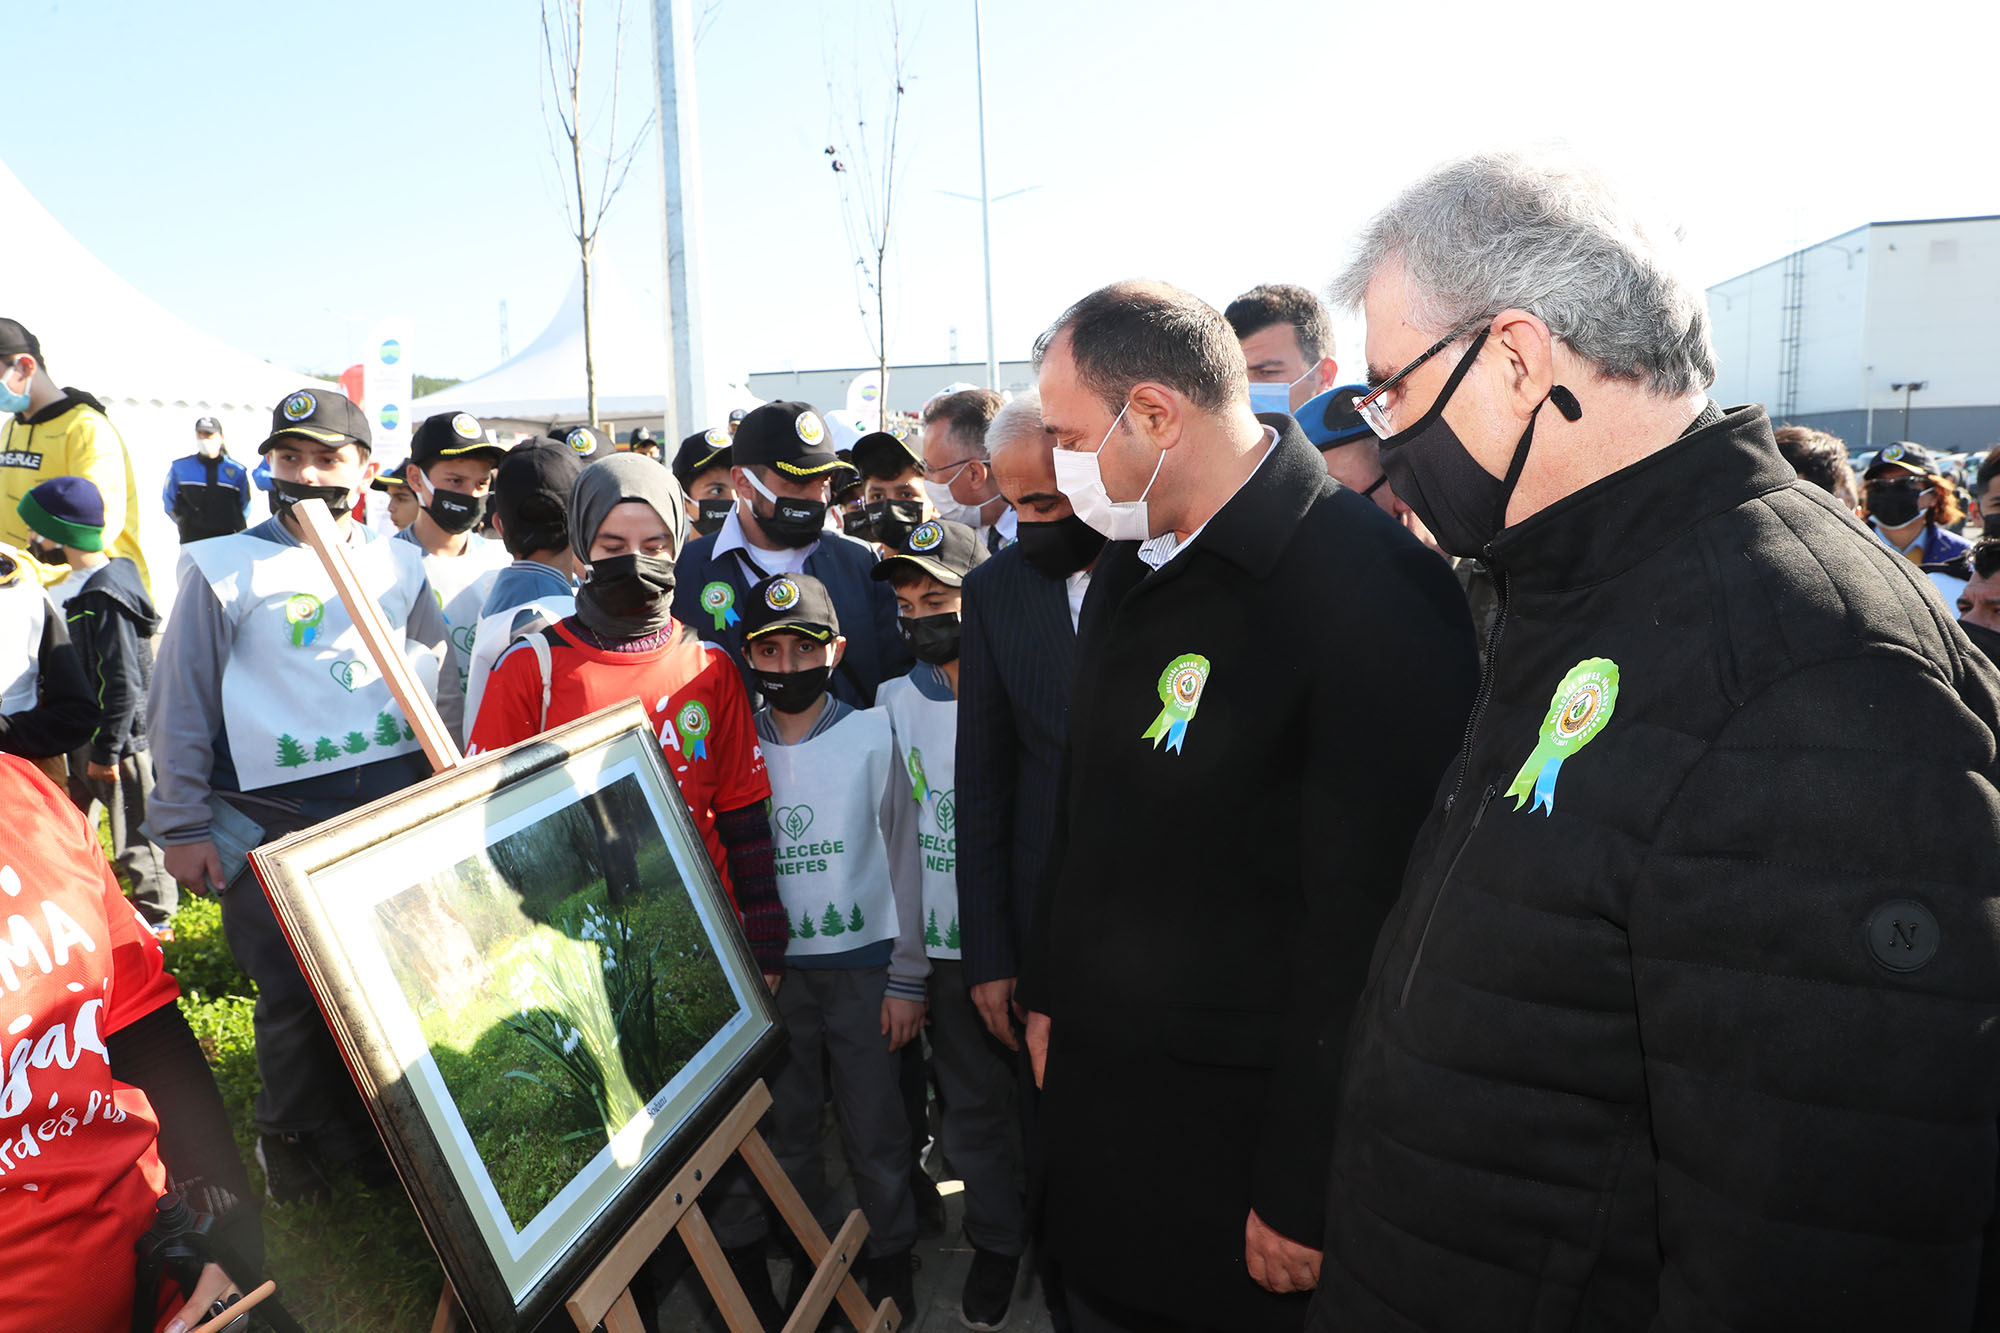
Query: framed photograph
x=542 y=991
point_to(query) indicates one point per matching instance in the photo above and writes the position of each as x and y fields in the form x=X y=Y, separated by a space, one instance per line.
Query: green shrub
x=199 y=957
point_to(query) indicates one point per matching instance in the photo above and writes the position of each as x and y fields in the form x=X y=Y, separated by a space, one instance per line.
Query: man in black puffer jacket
x=1675 y=1025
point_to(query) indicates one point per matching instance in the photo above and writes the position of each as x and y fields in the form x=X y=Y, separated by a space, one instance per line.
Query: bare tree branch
x=867 y=167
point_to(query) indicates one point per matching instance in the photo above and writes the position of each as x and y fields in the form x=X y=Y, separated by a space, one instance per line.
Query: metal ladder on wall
x=1791 y=321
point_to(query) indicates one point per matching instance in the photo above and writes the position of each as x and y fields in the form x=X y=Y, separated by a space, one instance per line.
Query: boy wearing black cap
x=111 y=623
x=207 y=492
x=701 y=466
x=449 y=472
x=848 y=874
x=781 y=464
x=267 y=708
x=56 y=432
x=402 y=504
x=892 y=488
x=531 y=490
x=980 y=1132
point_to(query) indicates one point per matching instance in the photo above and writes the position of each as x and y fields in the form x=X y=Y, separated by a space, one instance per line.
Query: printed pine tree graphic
x=409 y=732
x=931 y=936
x=325 y=749
x=357 y=741
x=854 y=918
x=832 y=923
x=951 y=936
x=291 y=754
x=387 y=730
x=806 y=930
x=791 y=927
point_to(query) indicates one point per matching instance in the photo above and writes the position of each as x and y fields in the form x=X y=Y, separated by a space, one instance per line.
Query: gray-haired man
x=1666 y=1031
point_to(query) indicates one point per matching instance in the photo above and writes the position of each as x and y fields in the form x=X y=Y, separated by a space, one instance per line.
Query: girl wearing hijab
x=627 y=521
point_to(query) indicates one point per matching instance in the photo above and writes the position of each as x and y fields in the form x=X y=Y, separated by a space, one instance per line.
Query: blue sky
x=283 y=175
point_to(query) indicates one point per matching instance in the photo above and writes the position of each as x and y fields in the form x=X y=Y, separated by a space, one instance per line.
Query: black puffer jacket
x=1698 y=1028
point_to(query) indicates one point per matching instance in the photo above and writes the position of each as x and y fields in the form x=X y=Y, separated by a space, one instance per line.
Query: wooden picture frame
x=542 y=991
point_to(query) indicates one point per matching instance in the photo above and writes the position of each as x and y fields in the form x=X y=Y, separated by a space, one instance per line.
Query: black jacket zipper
x=1484 y=800
x=1485 y=690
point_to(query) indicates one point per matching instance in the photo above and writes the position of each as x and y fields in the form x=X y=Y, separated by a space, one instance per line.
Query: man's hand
x=1038 y=1043
x=995 y=1002
x=902 y=1020
x=1275 y=1263
x=774 y=980
x=102 y=772
x=196 y=867
x=213 y=1285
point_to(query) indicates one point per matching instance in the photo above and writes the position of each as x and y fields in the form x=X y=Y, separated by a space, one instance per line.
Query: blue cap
x=1329 y=419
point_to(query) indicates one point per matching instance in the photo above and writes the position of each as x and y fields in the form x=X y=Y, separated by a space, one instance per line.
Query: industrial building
x=1856 y=333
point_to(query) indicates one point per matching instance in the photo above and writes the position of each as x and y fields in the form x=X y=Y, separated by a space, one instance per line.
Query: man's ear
x=370 y=470
x=1329 y=373
x=838 y=651
x=1528 y=371
x=1157 y=412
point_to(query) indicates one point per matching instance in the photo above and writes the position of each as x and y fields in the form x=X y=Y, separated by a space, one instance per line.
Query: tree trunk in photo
x=589 y=353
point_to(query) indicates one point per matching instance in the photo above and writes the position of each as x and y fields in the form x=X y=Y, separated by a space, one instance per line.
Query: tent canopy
x=154 y=372
x=542 y=386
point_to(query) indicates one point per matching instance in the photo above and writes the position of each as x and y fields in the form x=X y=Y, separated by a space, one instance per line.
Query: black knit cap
x=786 y=436
x=944 y=550
x=15 y=339
x=796 y=602
x=324 y=415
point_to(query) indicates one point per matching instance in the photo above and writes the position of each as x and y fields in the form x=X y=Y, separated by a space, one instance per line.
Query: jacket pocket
x=1417 y=955
x=1226 y=1038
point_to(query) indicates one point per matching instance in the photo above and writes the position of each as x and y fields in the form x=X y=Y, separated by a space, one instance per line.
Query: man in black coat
x=1272 y=675
x=1688 y=1016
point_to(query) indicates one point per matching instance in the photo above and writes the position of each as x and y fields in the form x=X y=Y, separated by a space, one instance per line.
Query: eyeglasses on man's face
x=1373 y=406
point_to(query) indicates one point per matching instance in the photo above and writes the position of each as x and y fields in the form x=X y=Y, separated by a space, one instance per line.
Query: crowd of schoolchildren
x=800 y=669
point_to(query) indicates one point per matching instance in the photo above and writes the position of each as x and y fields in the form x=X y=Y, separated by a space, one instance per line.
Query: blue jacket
x=206 y=497
x=867 y=610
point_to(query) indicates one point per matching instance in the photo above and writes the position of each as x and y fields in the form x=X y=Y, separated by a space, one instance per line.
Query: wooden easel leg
x=624 y=1316
x=715 y=1271
x=446 y=1319
x=799 y=1219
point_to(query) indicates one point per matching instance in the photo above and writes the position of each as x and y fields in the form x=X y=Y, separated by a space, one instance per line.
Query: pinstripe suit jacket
x=1017 y=661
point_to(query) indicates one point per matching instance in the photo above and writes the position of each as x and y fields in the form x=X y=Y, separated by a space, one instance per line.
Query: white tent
x=154 y=372
x=542 y=386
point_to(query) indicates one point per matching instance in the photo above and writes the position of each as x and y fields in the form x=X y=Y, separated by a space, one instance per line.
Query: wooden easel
x=605 y=1294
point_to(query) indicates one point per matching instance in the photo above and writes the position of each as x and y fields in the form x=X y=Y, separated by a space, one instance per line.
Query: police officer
x=207 y=492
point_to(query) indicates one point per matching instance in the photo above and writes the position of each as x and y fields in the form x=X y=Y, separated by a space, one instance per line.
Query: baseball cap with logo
x=531 y=491
x=699 y=452
x=944 y=550
x=207 y=426
x=396 y=478
x=15 y=340
x=788 y=437
x=324 y=415
x=1902 y=456
x=585 y=441
x=452 y=435
x=883 y=456
x=796 y=602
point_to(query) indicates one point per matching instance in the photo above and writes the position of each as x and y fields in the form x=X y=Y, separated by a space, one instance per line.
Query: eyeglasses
x=1370 y=406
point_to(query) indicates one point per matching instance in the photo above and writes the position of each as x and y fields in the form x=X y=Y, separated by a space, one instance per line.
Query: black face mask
x=933 y=639
x=1893 y=506
x=710 y=513
x=854 y=522
x=455 y=511
x=46 y=554
x=339 y=499
x=793 y=523
x=1060 y=548
x=892 y=521
x=792 y=691
x=626 y=596
x=1989 y=522
x=1463 y=504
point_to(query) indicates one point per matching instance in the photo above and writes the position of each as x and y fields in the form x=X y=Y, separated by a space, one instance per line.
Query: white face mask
x=1278 y=397
x=208 y=446
x=1079 y=477
x=948 y=508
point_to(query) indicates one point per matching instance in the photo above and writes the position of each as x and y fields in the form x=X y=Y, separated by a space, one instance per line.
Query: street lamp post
x=1906 y=388
x=985 y=203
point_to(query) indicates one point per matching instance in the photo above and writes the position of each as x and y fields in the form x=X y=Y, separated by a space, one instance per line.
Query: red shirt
x=79 y=1171
x=692 y=694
